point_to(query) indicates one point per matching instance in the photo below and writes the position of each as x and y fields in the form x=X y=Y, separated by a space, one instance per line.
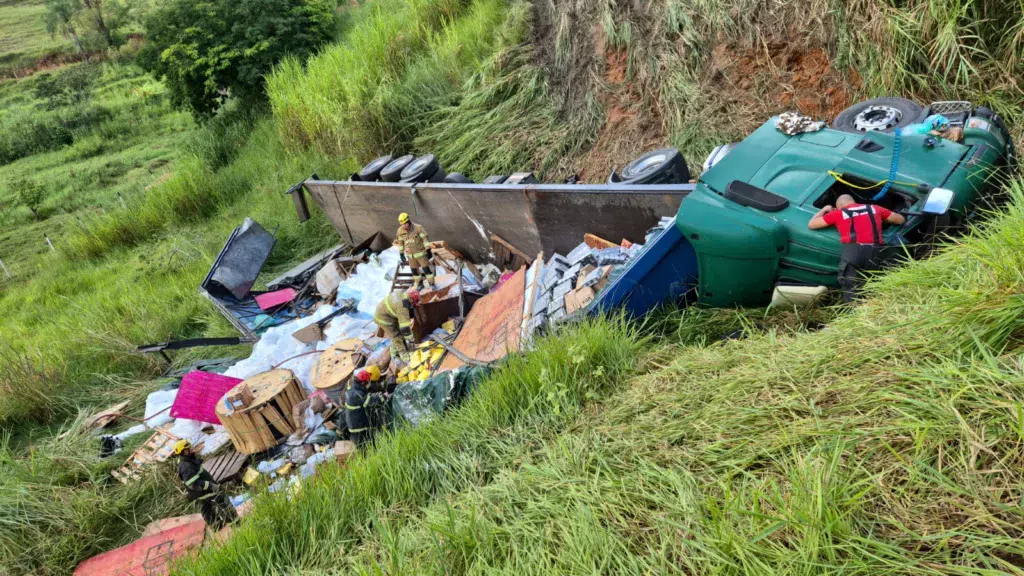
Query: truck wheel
x=878 y=114
x=393 y=171
x=371 y=172
x=665 y=166
x=420 y=169
x=456 y=178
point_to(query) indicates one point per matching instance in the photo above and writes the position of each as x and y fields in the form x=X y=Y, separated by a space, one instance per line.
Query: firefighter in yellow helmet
x=363 y=400
x=414 y=248
x=200 y=487
x=394 y=315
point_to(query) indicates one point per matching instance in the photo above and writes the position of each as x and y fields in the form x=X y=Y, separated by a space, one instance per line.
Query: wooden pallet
x=226 y=466
x=158 y=448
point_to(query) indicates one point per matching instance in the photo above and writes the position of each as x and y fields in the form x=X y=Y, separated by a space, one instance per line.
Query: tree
x=61 y=18
x=209 y=50
x=29 y=194
x=95 y=8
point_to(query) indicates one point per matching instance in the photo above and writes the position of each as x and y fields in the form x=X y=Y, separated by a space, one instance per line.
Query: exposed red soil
x=786 y=75
x=633 y=124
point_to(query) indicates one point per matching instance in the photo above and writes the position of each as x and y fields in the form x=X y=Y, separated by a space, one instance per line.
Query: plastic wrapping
x=418 y=402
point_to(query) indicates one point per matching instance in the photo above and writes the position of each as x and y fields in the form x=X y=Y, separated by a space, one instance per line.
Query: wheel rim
x=648 y=163
x=397 y=164
x=419 y=164
x=378 y=164
x=877 y=118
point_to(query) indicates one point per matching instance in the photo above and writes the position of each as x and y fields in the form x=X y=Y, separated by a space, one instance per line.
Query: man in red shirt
x=860 y=231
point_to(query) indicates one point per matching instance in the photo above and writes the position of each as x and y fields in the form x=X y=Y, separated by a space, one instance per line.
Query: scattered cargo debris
x=648 y=237
x=161 y=544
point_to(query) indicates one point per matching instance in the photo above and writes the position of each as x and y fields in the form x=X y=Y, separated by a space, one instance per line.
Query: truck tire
x=393 y=171
x=421 y=169
x=665 y=166
x=456 y=178
x=878 y=114
x=371 y=172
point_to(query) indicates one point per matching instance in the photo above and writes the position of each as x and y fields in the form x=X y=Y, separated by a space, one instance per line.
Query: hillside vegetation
x=889 y=442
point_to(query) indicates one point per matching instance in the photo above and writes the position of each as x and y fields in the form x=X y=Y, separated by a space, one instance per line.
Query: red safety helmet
x=363 y=376
x=413 y=295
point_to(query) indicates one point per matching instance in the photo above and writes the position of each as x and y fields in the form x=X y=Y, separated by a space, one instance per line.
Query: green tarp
x=417 y=402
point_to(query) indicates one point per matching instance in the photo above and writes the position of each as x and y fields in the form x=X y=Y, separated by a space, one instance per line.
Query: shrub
x=207 y=51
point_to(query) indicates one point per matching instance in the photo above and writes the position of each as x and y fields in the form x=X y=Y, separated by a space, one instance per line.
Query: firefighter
x=414 y=249
x=860 y=231
x=394 y=316
x=200 y=487
x=362 y=399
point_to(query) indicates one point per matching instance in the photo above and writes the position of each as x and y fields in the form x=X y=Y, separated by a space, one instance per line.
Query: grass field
x=886 y=443
x=23 y=36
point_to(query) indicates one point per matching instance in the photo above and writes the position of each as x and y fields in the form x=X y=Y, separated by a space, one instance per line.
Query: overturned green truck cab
x=747 y=217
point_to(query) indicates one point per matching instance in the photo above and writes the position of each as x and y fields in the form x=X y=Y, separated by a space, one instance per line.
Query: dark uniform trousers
x=362 y=416
x=856 y=261
x=200 y=487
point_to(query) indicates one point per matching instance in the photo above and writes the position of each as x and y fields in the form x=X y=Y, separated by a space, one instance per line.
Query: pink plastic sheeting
x=272 y=300
x=198 y=396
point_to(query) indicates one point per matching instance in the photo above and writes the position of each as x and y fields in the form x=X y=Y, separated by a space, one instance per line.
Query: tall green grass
x=373 y=90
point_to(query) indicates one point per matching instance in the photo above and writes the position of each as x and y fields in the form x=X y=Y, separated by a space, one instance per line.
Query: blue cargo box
x=663 y=272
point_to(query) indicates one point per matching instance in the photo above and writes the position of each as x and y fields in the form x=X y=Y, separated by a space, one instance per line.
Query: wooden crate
x=268 y=419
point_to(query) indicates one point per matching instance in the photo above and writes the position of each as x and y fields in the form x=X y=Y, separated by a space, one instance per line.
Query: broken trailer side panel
x=532 y=217
x=664 y=272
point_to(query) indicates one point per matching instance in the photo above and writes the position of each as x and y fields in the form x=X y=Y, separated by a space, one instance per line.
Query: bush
x=207 y=51
x=26 y=133
x=69 y=87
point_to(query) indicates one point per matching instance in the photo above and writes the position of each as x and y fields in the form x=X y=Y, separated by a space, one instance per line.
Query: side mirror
x=937 y=202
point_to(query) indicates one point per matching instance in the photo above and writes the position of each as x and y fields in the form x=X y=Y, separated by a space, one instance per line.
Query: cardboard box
x=343 y=450
x=329 y=277
x=310 y=334
x=585 y=296
x=578 y=299
x=584 y=272
x=239 y=397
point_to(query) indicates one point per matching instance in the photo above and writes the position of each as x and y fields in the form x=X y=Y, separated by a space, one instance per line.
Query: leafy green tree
x=29 y=194
x=209 y=50
x=62 y=18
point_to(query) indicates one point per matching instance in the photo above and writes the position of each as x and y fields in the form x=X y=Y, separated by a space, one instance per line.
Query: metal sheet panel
x=533 y=217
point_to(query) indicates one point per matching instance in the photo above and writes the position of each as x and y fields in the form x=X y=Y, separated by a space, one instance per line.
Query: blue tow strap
x=892 y=169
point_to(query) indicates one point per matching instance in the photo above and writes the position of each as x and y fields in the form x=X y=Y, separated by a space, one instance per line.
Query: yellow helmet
x=403 y=218
x=180 y=446
x=374 y=371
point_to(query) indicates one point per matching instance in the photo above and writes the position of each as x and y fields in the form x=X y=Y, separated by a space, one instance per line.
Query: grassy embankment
x=888 y=442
